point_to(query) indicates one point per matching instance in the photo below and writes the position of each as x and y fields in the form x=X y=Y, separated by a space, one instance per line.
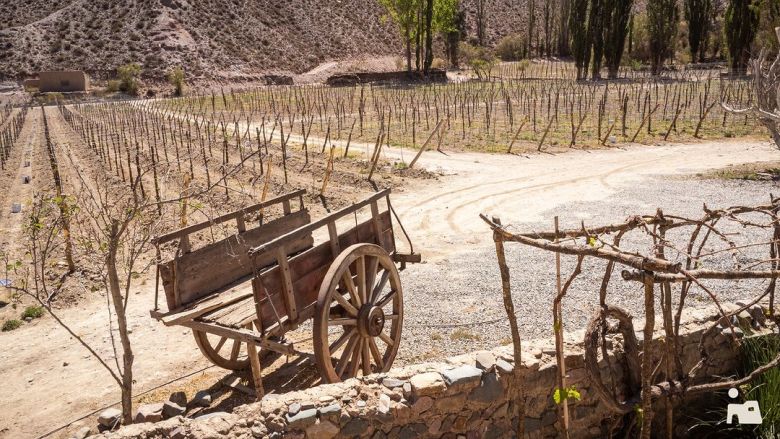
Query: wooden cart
x=248 y=290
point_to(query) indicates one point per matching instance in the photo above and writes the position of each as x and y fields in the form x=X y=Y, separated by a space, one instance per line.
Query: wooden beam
x=307 y=229
x=227 y=217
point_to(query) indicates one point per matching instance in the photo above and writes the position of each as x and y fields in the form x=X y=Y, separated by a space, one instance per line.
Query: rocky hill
x=215 y=39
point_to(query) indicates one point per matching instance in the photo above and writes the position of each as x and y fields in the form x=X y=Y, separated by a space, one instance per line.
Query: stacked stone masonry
x=462 y=398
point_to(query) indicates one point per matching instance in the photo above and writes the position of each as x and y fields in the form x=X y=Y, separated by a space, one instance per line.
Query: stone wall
x=350 y=79
x=464 y=397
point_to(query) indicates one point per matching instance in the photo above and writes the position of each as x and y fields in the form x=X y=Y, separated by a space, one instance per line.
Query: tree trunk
x=428 y=36
x=121 y=317
x=408 y=51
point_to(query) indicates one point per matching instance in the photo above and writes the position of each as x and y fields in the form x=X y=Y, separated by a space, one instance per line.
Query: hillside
x=216 y=39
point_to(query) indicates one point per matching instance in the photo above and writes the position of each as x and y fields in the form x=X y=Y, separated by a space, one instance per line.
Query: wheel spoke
x=366 y=358
x=220 y=344
x=361 y=278
x=342 y=322
x=371 y=271
x=380 y=362
x=236 y=349
x=380 y=286
x=341 y=340
x=351 y=310
x=350 y=284
x=355 y=364
x=385 y=300
x=345 y=356
x=386 y=338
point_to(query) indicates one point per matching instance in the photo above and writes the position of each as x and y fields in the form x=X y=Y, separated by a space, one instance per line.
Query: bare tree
x=766 y=82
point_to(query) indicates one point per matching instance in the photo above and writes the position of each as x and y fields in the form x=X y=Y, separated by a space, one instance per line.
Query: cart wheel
x=357 y=324
x=225 y=352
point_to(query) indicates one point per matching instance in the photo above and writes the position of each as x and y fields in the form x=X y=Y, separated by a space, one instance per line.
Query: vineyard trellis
x=717 y=249
x=540 y=112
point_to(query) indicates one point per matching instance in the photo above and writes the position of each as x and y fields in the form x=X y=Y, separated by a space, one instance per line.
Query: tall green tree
x=580 y=38
x=662 y=18
x=428 y=36
x=596 y=21
x=404 y=13
x=617 y=13
x=741 y=26
x=449 y=22
x=697 y=14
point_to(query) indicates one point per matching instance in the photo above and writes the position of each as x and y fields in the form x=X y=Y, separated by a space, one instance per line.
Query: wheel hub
x=371 y=321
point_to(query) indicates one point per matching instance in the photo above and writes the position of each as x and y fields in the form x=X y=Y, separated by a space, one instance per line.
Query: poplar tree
x=697 y=14
x=741 y=26
x=662 y=17
x=580 y=38
x=617 y=13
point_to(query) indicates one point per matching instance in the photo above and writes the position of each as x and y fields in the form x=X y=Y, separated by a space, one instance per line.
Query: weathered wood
x=203 y=306
x=307 y=270
x=287 y=284
x=208 y=269
x=227 y=217
x=308 y=229
x=254 y=362
x=240 y=334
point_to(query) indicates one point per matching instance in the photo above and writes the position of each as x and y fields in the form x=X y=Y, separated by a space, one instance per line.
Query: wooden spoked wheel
x=357 y=323
x=224 y=352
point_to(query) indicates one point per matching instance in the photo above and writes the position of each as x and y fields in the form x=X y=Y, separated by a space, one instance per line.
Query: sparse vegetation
x=128 y=78
x=512 y=48
x=32 y=312
x=176 y=79
x=10 y=325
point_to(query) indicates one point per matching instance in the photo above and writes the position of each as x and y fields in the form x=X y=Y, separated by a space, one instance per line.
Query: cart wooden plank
x=206 y=270
x=309 y=267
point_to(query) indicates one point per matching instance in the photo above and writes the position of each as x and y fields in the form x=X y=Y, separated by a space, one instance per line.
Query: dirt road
x=49 y=381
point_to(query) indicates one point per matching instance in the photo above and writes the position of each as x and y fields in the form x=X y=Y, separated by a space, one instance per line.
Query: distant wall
x=464 y=397
x=349 y=79
x=64 y=82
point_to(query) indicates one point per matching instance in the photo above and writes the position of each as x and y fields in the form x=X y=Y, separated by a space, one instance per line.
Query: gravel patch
x=455 y=306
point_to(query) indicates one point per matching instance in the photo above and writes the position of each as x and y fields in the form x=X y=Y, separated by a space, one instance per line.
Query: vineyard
x=90 y=185
x=521 y=110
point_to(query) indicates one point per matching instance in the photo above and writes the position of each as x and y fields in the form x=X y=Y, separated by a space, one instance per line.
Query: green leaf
x=592 y=241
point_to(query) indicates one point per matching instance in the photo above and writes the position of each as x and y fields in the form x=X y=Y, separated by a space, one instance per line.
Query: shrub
x=480 y=59
x=128 y=78
x=10 y=325
x=112 y=86
x=176 y=78
x=439 y=64
x=511 y=48
x=33 y=312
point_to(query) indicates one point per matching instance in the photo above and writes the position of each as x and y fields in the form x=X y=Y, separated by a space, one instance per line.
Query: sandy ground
x=49 y=381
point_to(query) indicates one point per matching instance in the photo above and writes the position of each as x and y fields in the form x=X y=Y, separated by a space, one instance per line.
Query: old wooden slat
x=307 y=270
x=287 y=284
x=208 y=269
x=242 y=334
x=302 y=231
x=227 y=217
x=334 y=239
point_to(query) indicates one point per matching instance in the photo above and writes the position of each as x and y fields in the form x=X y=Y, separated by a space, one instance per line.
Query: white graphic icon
x=747 y=413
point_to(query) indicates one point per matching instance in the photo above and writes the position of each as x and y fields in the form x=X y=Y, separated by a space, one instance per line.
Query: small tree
x=128 y=78
x=480 y=59
x=662 y=18
x=697 y=13
x=741 y=26
x=176 y=78
x=766 y=89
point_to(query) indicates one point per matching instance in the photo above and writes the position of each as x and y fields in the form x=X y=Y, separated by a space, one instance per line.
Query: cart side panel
x=308 y=269
x=210 y=268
